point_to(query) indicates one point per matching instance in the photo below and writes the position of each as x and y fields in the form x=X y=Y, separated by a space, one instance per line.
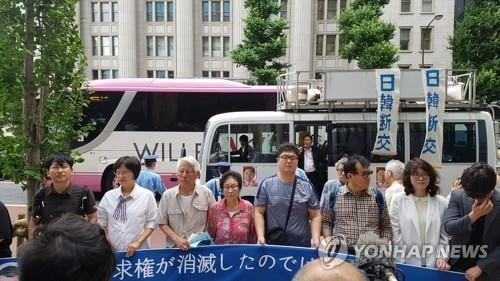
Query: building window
x=284 y=9
x=343 y=5
x=170 y=46
x=114 y=9
x=215 y=74
x=95 y=50
x=226 y=10
x=215 y=11
x=404 y=66
x=226 y=46
x=330 y=45
x=319 y=45
x=115 y=74
x=204 y=11
x=331 y=10
x=150 y=74
x=159 y=11
x=216 y=48
x=205 y=46
x=170 y=74
x=105 y=46
x=425 y=42
x=95 y=12
x=105 y=13
x=115 y=45
x=149 y=46
x=205 y=74
x=160 y=74
x=225 y=74
x=321 y=9
x=95 y=74
x=426 y=6
x=160 y=46
x=106 y=74
x=405 y=6
x=170 y=11
x=404 y=38
x=149 y=11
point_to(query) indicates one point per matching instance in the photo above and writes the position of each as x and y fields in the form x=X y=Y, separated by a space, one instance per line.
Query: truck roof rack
x=355 y=90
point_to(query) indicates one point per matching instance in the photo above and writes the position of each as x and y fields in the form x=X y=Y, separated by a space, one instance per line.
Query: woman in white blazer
x=417 y=218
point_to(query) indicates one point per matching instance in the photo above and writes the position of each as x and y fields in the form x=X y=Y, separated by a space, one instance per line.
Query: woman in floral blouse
x=230 y=220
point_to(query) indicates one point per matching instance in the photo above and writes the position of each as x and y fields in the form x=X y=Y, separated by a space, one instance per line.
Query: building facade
x=193 y=38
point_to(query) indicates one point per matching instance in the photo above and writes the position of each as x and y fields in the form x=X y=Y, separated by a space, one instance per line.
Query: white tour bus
x=347 y=127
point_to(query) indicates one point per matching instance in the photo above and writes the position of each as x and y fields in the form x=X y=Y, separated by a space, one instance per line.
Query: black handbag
x=278 y=236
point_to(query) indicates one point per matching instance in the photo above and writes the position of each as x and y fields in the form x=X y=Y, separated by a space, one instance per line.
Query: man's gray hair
x=340 y=162
x=396 y=167
x=191 y=161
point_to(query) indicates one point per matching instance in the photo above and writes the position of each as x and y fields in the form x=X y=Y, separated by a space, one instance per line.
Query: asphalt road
x=11 y=193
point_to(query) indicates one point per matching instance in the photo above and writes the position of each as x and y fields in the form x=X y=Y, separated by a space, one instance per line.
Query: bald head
x=316 y=271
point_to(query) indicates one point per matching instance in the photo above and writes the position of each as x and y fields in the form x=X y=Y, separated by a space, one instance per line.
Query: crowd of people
x=288 y=210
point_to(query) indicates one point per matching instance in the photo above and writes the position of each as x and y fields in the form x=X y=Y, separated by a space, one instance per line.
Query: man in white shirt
x=313 y=161
x=394 y=170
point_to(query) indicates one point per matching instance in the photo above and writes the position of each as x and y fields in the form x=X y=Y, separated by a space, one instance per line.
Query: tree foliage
x=41 y=74
x=476 y=44
x=365 y=38
x=265 y=42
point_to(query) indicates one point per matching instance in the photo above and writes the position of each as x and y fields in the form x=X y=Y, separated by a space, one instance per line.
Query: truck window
x=263 y=142
x=359 y=138
x=459 y=141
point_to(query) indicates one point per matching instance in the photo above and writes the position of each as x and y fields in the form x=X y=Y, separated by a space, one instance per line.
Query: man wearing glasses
x=356 y=208
x=273 y=200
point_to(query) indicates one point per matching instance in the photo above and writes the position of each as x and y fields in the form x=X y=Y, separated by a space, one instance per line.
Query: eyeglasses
x=423 y=176
x=234 y=186
x=187 y=172
x=288 y=157
x=340 y=170
x=365 y=174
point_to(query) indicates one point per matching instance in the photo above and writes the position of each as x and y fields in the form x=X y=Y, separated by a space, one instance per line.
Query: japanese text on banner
x=387 y=113
x=435 y=98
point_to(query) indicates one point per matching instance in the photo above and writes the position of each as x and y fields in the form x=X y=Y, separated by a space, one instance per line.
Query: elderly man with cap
x=149 y=179
x=213 y=184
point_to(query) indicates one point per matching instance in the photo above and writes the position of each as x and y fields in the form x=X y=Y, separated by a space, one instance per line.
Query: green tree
x=476 y=44
x=41 y=73
x=264 y=43
x=365 y=38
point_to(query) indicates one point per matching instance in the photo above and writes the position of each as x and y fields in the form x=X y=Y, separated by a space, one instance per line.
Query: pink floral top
x=227 y=229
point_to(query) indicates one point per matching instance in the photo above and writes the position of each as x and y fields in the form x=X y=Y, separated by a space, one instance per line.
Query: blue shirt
x=329 y=185
x=151 y=180
x=214 y=186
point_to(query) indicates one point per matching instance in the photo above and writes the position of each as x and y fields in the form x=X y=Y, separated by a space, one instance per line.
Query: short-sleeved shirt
x=184 y=222
x=214 y=186
x=151 y=180
x=237 y=228
x=274 y=195
x=5 y=232
x=49 y=204
x=140 y=212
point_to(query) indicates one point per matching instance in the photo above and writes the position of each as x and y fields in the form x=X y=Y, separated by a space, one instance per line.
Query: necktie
x=121 y=209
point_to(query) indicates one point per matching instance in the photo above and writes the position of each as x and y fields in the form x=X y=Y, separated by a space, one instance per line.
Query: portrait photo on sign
x=381 y=183
x=249 y=176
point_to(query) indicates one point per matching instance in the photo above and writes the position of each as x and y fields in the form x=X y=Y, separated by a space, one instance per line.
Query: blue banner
x=235 y=262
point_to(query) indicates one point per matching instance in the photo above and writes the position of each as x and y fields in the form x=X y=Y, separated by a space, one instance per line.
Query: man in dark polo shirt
x=61 y=196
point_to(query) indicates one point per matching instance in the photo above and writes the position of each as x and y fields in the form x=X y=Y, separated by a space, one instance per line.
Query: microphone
x=374 y=257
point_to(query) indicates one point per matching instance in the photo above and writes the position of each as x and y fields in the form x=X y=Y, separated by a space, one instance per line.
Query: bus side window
x=459 y=141
x=359 y=138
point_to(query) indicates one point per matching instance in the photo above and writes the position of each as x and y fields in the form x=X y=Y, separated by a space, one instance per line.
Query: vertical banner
x=387 y=81
x=435 y=98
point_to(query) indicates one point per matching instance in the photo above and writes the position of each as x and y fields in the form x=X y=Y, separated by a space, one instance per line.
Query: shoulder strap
x=291 y=202
x=84 y=196
x=379 y=197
